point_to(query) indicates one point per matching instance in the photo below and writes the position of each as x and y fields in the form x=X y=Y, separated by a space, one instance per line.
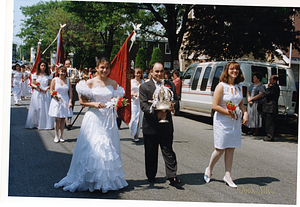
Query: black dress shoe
x=69 y=127
x=174 y=181
x=151 y=180
x=268 y=139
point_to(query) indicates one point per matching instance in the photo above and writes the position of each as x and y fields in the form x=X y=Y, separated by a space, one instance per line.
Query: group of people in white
x=96 y=162
x=20 y=83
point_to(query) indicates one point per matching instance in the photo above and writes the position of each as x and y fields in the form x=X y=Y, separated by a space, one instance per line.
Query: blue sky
x=18 y=16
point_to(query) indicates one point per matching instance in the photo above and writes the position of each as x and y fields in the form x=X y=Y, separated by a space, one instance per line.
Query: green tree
x=32 y=27
x=44 y=19
x=226 y=32
x=114 y=52
x=108 y=20
x=163 y=21
x=140 y=60
x=156 y=57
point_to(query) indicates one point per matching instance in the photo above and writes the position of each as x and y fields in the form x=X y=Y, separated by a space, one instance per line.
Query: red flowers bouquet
x=122 y=102
x=117 y=102
x=233 y=109
x=38 y=84
x=54 y=94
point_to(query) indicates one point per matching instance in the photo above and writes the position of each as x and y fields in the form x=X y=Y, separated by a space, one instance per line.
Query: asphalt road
x=265 y=172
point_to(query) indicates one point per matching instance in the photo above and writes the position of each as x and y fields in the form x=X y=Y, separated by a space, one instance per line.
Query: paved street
x=266 y=172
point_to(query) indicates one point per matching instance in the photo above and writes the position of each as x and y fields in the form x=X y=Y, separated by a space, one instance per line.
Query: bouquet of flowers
x=117 y=102
x=54 y=94
x=38 y=84
x=233 y=109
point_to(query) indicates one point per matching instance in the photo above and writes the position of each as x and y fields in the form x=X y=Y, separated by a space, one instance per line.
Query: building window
x=167 y=65
x=167 y=48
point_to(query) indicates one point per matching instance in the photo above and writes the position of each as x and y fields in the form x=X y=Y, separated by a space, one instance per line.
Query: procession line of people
x=96 y=162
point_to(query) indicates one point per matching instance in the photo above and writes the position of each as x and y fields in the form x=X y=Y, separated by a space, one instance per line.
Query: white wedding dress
x=228 y=131
x=96 y=162
x=24 y=86
x=16 y=85
x=39 y=106
x=136 y=112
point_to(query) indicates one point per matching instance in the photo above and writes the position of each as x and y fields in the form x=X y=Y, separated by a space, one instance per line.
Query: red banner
x=120 y=72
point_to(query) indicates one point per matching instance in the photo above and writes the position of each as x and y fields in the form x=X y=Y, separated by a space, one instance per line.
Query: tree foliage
x=156 y=57
x=140 y=60
x=108 y=20
x=114 y=52
x=171 y=17
x=225 y=32
x=43 y=22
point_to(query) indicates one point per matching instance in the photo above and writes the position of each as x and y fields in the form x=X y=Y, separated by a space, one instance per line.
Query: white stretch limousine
x=200 y=79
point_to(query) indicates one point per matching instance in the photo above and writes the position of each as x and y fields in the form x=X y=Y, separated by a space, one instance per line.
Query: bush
x=140 y=60
x=156 y=57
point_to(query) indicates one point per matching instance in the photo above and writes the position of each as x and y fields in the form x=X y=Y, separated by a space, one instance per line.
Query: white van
x=200 y=80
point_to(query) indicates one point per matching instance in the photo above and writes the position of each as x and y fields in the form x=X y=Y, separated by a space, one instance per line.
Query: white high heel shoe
x=207 y=179
x=56 y=139
x=232 y=185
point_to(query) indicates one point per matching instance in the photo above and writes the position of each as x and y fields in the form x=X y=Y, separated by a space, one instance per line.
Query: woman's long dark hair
x=38 y=70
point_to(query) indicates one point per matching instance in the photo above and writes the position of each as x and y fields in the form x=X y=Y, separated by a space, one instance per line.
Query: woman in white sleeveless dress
x=96 y=162
x=136 y=112
x=16 y=79
x=227 y=123
x=37 y=116
x=61 y=103
x=24 y=83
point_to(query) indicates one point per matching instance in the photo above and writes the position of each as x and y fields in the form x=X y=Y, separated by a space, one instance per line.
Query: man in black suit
x=270 y=106
x=156 y=133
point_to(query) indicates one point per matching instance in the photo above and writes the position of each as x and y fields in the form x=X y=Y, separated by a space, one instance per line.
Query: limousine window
x=188 y=74
x=216 y=78
x=262 y=70
x=196 y=78
x=205 y=79
x=282 y=77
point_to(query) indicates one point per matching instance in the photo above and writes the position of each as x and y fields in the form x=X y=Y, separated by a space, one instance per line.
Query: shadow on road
x=261 y=181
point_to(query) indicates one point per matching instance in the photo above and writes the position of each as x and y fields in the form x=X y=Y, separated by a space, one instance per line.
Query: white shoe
x=207 y=179
x=232 y=185
x=61 y=140
x=56 y=140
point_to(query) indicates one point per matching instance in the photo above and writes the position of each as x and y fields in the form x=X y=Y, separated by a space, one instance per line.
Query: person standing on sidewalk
x=270 y=106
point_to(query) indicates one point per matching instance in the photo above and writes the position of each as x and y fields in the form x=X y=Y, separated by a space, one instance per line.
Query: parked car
x=200 y=80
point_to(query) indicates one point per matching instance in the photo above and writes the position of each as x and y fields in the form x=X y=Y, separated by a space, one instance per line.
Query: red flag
x=60 y=58
x=120 y=72
x=37 y=60
x=60 y=50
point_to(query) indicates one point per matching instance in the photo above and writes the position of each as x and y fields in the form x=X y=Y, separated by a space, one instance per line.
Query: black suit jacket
x=150 y=120
x=270 y=99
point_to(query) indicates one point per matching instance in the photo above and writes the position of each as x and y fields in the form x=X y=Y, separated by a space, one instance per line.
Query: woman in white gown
x=96 y=162
x=227 y=123
x=61 y=103
x=136 y=112
x=24 y=83
x=37 y=116
x=16 y=79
